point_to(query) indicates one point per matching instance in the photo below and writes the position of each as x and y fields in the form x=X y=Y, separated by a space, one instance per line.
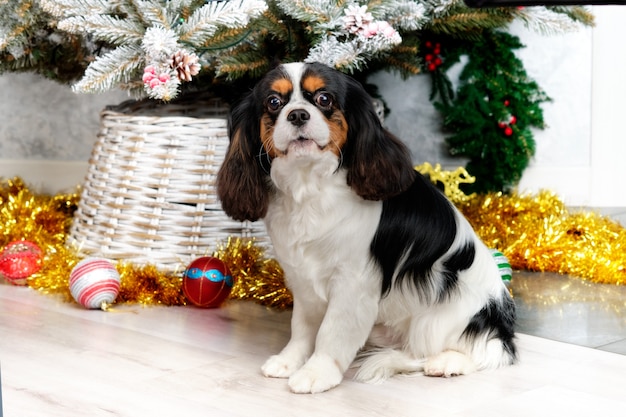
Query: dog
x=380 y=263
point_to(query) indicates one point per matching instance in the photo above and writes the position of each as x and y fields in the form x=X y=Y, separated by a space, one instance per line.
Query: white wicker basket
x=149 y=196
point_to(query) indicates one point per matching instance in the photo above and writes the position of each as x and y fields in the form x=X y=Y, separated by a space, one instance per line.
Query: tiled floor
x=571 y=310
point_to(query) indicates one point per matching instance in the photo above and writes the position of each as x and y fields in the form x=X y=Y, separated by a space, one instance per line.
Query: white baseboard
x=50 y=177
x=572 y=185
x=587 y=186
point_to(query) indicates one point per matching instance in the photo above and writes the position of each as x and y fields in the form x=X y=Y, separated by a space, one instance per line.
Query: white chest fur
x=321 y=230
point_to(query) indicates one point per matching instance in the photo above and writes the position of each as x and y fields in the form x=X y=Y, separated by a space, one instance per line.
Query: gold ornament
x=451 y=180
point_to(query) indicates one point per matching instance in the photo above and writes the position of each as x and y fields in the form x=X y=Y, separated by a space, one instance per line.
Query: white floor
x=58 y=359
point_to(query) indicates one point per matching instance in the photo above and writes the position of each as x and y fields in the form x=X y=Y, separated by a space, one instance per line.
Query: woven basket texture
x=149 y=196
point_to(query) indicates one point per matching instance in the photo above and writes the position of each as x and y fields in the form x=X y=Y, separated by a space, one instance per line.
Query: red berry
x=429 y=44
x=429 y=57
x=513 y=120
x=438 y=61
x=506 y=103
x=432 y=67
x=508 y=131
x=501 y=125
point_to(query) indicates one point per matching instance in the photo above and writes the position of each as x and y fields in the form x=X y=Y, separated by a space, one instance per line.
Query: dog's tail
x=378 y=364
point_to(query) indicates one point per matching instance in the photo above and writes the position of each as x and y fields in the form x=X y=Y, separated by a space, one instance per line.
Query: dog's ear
x=379 y=165
x=242 y=185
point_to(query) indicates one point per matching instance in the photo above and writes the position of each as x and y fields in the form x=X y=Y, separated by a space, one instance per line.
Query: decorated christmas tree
x=30 y=41
x=165 y=48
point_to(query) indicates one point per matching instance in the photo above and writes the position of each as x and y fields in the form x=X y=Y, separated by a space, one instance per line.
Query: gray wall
x=41 y=119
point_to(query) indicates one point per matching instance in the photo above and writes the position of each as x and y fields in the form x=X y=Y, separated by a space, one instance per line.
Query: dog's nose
x=298 y=117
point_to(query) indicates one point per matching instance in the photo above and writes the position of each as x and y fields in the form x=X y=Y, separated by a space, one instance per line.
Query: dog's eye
x=274 y=103
x=324 y=100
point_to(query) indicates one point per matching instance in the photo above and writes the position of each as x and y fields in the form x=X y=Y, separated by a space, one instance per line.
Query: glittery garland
x=536 y=232
x=46 y=220
x=257 y=278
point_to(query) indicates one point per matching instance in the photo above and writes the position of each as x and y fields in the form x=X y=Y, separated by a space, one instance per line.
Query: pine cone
x=186 y=65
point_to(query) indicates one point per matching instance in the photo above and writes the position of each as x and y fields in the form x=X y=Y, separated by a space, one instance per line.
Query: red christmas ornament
x=207 y=282
x=19 y=260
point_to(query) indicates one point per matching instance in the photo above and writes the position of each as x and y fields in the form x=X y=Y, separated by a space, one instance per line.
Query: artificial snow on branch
x=205 y=21
x=116 y=67
x=149 y=34
x=547 y=21
x=105 y=28
x=405 y=15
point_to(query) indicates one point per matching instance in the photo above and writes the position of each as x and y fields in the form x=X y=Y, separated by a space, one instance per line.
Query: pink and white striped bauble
x=94 y=283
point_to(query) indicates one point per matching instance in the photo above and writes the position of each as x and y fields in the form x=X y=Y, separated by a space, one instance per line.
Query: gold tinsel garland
x=45 y=220
x=536 y=232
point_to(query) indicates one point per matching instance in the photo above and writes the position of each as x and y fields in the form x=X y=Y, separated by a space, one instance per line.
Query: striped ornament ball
x=94 y=283
x=506 y=272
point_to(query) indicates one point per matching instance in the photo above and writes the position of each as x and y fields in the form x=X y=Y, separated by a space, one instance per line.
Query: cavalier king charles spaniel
x=382 y=267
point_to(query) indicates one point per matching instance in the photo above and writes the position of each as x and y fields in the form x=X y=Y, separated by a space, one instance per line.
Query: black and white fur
x=377 y=259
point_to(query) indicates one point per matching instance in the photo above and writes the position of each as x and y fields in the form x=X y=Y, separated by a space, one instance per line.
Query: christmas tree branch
x=105 y=28
x=578 y=14
x=405 y=15
x=469 y=22
x=67 y=8
x=117 y=66
x=204 y=22
x=549 y=21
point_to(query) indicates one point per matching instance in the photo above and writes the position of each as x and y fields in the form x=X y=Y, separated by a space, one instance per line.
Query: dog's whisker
x=340 y=162
x=260 y=155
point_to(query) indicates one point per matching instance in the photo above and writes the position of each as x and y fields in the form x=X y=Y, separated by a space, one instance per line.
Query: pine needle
x=117 y=66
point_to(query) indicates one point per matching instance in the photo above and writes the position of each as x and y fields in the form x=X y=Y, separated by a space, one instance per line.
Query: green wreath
x=490 y=116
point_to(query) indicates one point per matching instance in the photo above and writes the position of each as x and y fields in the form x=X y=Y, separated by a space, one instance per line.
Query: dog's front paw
x=317 y=375
x=280 y=366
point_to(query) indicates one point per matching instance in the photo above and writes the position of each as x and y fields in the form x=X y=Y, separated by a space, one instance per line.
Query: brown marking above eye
x=282 y=86
x=313 y=83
